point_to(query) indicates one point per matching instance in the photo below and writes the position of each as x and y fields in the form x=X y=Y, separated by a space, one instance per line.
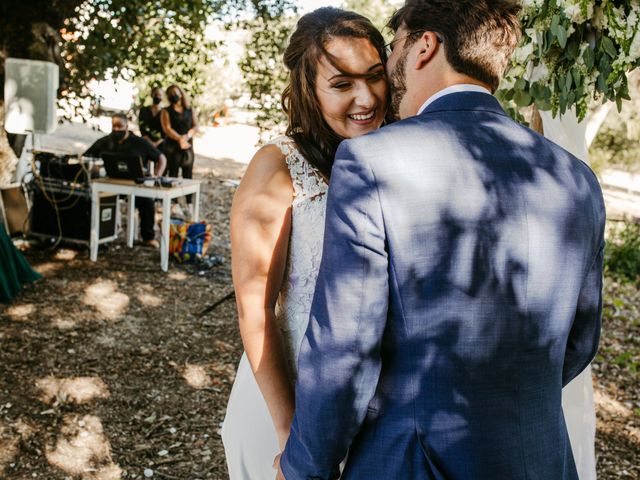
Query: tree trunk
x=8 y=159
x=536 y=120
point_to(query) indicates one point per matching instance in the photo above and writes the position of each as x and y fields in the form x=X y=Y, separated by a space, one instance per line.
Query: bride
x=337 y=89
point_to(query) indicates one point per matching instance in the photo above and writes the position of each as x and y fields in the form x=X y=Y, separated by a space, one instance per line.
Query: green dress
x=15 y=271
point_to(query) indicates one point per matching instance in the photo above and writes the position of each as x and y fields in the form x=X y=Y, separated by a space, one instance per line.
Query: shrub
x=622 y=253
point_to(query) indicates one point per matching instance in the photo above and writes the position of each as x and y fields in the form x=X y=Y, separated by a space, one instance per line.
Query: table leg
x=131 y=220
x=95 y=225
x=196 y=207
x=118 y=216
x=164 y=243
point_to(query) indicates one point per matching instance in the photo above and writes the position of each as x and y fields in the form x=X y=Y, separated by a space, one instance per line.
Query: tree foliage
x=155 y=42
x=265 y=75
x=572 y=52
x=145 y=41
x=378 y=11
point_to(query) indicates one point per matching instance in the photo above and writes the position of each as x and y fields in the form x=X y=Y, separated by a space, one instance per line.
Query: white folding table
x=130 y=189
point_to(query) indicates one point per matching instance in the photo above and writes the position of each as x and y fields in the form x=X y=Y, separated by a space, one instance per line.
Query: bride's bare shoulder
x=268 y=160
x=267 y=172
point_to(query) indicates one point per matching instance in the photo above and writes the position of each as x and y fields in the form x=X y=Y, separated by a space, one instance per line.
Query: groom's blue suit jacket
x=459 y=290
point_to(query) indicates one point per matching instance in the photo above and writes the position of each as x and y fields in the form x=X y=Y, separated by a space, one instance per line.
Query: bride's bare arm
x=260 y=226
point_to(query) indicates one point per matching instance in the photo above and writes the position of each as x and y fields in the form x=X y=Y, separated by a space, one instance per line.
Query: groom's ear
x=427 y=47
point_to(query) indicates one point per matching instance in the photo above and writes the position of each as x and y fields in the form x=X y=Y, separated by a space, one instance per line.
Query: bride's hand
x=276 y=465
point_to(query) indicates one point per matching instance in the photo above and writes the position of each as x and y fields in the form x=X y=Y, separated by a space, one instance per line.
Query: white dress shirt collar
x=462 y=87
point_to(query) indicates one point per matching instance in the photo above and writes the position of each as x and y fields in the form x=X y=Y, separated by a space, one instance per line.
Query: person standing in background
x=179 y=125
x=149 y=120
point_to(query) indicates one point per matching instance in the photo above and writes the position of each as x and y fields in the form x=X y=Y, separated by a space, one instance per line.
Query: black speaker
x=67 y=214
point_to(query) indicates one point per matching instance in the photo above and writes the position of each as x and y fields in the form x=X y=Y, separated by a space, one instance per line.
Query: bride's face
x=353 y=98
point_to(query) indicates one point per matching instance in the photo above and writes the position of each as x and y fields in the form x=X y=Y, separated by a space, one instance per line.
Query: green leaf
x=601 y=83
x=604 y=65
x=520 y=84
x=589 y=58
x=522 y=99
x=562 y=36
x=619 y=103
x=572 y=50
x=560 y=82
x=563 y=103
x=508 y=94
x=568 y=82
x=548 y=41
x=608 y=47
x=577 y=78
x=543 y=104
x=537 y=90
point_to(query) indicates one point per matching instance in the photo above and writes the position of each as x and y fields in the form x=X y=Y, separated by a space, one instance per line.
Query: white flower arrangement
x=571 y=52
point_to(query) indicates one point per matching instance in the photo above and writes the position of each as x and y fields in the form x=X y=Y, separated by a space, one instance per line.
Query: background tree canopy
x=146 y=41
x=149 y=41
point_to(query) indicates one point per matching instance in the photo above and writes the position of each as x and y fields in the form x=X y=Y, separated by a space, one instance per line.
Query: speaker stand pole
x=95 y=225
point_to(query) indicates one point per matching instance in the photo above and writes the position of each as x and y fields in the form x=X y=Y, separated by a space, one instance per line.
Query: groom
x=460 y=285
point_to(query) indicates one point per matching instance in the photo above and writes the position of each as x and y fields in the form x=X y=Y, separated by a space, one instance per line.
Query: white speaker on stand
x=30 y=92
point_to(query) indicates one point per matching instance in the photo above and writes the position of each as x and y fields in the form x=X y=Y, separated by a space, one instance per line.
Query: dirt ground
x=114 y=369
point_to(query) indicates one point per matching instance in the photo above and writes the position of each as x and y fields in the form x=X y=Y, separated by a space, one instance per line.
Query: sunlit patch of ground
x=104 y=296
x=177 y=275
x=78 y=390
x=149 y=300
x=208 y=375
x=21 y=313
x=81 y=448
x=196 y=376
x=64 y=323
x=47 y=268
x=609 y=406
x=65 y=255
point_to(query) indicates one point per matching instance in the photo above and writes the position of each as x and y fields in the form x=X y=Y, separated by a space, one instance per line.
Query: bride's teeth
x=362 y=117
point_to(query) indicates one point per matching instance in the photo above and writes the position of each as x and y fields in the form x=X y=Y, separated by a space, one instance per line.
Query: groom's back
x=491 y=231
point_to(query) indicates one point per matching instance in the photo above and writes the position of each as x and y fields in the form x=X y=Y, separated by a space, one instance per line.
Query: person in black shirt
x=149 y=120
x=121 y=140
x=179 y=125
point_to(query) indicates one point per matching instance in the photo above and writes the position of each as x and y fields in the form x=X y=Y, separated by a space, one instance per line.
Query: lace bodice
x=305 y=246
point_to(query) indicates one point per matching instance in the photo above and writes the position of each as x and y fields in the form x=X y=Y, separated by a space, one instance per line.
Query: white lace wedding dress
x=248 y=434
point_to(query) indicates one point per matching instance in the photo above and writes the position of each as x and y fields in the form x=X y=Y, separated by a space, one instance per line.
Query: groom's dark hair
x=479 y=35
x=307 y=46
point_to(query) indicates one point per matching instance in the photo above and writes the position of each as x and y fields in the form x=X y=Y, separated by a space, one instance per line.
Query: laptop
x=123 y=166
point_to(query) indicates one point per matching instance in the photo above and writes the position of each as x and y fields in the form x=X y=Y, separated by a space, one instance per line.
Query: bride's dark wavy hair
x=314 y=138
